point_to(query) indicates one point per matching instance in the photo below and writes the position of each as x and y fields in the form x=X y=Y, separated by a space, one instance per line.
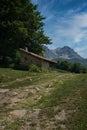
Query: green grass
x=14 y=125
x=69 y=93
x=12 y=78
x=70 y=96
x=11 y=75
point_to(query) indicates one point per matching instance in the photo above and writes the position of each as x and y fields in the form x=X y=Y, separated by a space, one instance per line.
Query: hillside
x=43 y=101
x=65 y=53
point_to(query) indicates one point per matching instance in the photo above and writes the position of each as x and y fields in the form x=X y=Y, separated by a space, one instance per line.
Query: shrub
x=34 y=68
x=45 y=70
x=2 y=76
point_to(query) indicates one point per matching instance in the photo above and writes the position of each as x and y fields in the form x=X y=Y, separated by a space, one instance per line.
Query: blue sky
x=65 y=23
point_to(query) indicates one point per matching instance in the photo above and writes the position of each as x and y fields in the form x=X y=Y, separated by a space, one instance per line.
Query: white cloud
x=72 y=29
x=65 y=27
x=49 y=17
x=81 y=49
x=46 y=9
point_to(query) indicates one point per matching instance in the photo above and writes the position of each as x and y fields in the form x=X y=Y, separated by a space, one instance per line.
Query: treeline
x=72 y=67
x=21 y=25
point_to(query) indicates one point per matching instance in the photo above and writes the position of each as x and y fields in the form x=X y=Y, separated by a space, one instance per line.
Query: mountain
x=64 y=53
x=49 y=54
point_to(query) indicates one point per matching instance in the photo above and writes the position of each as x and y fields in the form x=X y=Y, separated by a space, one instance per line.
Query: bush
x=45 y=70
x=34 y=68
x=2 y=76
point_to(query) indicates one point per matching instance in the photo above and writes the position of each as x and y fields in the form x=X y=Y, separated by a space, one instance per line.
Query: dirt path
x=19 y=109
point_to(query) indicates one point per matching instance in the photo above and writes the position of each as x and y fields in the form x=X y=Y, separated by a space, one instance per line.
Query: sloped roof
x=37 y=56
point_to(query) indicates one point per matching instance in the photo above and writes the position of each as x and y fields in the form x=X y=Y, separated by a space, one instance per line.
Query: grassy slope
x=63 y=102
x=71 y=97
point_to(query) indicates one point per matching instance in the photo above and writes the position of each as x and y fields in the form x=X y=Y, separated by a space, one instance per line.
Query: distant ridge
x=64 y=53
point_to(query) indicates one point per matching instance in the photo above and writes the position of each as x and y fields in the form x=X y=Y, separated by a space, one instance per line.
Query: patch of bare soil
x=61 y=116
x=18 y=113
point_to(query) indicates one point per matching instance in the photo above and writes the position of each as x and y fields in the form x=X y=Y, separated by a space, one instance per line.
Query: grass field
x=43 y=101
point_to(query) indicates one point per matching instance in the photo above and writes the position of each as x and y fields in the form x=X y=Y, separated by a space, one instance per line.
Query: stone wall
x=27 y=60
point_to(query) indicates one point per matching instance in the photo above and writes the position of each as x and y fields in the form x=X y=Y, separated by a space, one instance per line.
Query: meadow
x=52 y=100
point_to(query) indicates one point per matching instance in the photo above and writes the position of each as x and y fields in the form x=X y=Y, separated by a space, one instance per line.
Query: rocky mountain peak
x=64 y=52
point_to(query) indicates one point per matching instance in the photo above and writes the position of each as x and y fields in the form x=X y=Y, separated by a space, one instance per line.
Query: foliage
x=2 y=76
x=17 y=61
x=21 y=25
x=75 y=67
x=65 y=65
x=34 y=68
x=46 y=70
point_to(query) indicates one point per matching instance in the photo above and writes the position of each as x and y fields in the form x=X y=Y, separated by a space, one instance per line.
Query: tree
x=65 y=65
x=72 y=67
x=21 y=25
x=77 y=68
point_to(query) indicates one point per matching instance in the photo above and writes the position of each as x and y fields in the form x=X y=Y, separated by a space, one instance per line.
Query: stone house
x=28 y=58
